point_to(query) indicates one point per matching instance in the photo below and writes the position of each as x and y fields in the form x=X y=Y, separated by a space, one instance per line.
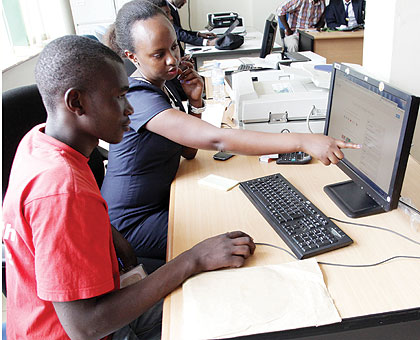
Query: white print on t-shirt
x=9 y=234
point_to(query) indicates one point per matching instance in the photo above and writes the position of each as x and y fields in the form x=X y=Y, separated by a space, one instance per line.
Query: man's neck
x=71 y=137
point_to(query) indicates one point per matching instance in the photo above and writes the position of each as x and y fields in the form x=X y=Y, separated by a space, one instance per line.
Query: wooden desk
x=336 y=46
x=360 y=294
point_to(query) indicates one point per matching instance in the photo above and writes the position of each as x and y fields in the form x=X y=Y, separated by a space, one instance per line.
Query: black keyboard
x=248 y=67
x=294 y=158
x=245 y=67
x=301 y=225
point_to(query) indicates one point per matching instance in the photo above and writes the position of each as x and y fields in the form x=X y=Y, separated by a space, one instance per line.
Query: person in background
x=62 y=269
x=188 y=37
x=341 y=14
x=303 y=14
x=142 y=167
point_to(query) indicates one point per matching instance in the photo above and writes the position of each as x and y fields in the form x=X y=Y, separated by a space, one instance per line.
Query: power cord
x=189 y=15
x=371 y=264
x=308 y=117
x=375 y=227
x=357 y=265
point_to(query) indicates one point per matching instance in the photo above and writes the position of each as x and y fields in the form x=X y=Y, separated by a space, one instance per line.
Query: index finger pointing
x=346 y=145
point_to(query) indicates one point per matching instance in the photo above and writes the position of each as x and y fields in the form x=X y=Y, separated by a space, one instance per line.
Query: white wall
x=391 y=50
x=254 y=12
x=19 y=75
x=61 y=23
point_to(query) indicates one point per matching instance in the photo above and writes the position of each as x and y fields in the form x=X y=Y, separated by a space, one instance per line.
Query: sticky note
x=218 y=182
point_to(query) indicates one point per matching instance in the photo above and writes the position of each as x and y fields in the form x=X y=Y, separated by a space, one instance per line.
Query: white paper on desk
x=213 y=114
x=225 y=64
x=236 y=302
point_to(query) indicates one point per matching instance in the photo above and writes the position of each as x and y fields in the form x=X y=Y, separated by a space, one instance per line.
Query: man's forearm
x=286 y=26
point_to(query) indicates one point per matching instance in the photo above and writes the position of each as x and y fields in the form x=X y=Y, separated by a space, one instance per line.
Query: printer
x=286 y=100
x=218 y=23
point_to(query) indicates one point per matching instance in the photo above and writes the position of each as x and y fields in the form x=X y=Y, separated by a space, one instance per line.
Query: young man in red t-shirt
x=62 y=269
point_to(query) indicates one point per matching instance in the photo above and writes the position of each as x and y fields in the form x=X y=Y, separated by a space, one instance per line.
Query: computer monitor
x=380 y=118
x=269 y=36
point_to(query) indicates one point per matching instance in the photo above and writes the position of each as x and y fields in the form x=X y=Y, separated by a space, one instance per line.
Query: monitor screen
x=365 y=111
x=269 y=35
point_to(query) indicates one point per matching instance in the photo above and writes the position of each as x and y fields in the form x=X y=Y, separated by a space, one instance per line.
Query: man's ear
x=73 y=101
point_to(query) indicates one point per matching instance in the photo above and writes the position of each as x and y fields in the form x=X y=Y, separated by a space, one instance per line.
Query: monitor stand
x=352 y=200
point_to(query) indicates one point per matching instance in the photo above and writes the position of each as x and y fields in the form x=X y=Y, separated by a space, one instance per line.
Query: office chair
x=129 y=66
x=22 y=110
x=90 y=36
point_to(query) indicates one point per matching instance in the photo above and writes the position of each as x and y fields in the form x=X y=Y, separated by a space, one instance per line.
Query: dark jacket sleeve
x=332 y=14
x=359 y=10
x=335 y=14
x=188 y=37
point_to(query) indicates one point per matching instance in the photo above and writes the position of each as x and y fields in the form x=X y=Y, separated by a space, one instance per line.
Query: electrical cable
x=375 y=227
x=189 y=14
x=371 y=264
x=341 y=264
x=356 y=265
x=309 y=116
x=272 y=245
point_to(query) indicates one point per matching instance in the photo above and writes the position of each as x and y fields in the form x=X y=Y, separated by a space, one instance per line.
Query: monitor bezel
x=388 y=200
x=270 y=28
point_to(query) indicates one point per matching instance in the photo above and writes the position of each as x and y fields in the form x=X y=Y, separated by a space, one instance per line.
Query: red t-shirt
x=57 y=234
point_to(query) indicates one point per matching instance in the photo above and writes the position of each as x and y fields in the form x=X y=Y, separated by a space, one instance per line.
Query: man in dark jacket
x=341 y=14
x=189 y=37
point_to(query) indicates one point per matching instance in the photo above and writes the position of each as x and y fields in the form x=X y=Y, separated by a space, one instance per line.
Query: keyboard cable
x=356 y=265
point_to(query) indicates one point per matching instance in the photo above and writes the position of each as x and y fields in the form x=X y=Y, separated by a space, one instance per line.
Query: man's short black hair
x=69 y=62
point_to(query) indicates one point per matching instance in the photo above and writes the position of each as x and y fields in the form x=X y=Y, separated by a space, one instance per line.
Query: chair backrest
x=129 y=66
x=22 y=110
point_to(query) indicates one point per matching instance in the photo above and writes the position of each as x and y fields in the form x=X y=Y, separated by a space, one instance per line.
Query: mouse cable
x=272 y=245
x=341 y=264
x=409 y=206
x=376 y=227
x=371 y=264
